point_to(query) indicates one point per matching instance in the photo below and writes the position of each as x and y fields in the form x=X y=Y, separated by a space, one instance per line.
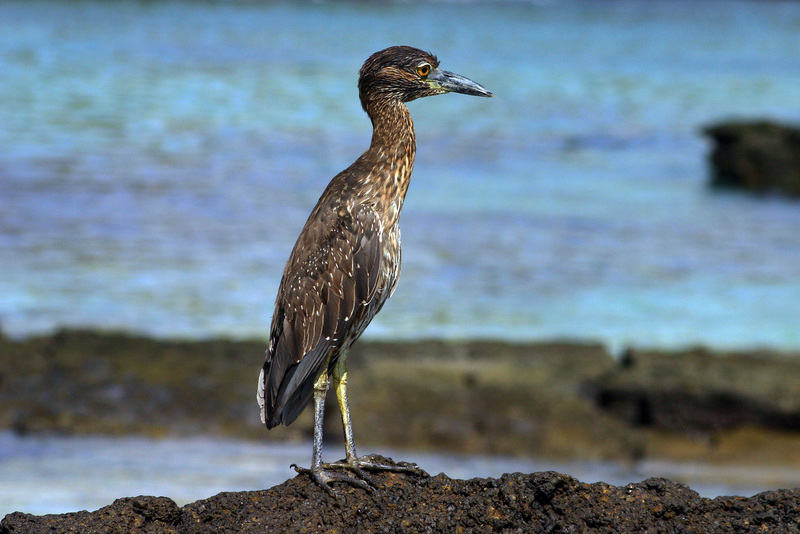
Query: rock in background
x=559 y=401
x=757 y=156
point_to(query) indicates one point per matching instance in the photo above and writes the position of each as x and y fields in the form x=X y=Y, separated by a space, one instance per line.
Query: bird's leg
x=320 y=472
x=320 y=391
x=353 y=461
x=340 y=385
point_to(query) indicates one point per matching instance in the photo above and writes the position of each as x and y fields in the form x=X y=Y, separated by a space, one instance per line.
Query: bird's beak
x=455 y=83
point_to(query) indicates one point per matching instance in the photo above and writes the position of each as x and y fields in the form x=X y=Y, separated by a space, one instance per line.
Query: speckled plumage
x=344 y=265
x=346 y=261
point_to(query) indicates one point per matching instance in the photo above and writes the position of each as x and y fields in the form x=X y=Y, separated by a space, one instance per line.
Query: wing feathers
x=326 y=298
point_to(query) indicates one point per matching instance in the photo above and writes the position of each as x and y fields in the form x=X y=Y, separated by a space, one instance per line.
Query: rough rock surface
x=545 y=502
x=758 y=156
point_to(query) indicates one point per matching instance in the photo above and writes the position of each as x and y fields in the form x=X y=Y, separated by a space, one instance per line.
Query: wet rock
x=472 y=397
x=697 y=391
x=538 y=502
x=757 y=156
x=559 y=401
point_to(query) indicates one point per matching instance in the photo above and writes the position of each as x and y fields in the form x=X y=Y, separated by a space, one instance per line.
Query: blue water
x=157 y=160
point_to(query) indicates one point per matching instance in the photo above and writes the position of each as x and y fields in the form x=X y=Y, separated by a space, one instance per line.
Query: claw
x=358 y=469
x=327 y=473
x=324 y=475
x=374 y=462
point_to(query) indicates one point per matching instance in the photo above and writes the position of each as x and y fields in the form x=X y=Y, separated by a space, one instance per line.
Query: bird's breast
x=391 y=259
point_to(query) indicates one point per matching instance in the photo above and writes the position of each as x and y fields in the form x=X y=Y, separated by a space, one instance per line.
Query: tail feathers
x=260 y=397
x=274 y=418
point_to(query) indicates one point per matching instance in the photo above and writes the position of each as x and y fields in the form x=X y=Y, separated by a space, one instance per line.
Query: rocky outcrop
x=698 y=391
x=757 y=156
x=540 y=502
x=550 y=400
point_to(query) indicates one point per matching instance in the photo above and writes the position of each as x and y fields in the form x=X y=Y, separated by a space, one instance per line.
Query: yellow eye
x=424 y=69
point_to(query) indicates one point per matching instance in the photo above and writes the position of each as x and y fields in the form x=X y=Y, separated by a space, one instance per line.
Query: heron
x=346 y=261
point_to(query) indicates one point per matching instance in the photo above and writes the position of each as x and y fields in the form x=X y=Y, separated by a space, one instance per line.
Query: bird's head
x=404 y=73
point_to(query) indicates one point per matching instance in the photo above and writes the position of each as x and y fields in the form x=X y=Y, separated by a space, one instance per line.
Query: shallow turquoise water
x=158 y=159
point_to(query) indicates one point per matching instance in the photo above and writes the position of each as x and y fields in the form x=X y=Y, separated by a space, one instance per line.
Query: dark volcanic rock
x=696 y=391
x=758 y=156
x=539 y=502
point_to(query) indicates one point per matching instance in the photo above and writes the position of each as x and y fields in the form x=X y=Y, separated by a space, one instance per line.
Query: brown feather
x=346 y=261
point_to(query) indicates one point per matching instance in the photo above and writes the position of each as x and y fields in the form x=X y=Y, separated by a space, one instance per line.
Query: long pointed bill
x=455 y=83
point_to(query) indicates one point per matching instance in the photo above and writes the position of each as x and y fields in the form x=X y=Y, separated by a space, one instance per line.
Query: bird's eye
x=424 y=69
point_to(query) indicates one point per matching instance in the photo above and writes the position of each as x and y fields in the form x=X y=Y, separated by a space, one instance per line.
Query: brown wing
x=331 y=277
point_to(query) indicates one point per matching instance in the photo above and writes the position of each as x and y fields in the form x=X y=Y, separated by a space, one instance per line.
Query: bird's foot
x=327 y=473
x=374 y=462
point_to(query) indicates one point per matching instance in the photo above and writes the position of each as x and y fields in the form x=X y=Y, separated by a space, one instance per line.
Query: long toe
x=357 y=469
x=328 y=473
x=374 y=462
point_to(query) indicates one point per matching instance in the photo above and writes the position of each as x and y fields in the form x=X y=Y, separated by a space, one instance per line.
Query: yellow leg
x=365 y=462
x=340 y=385
x=325 y=473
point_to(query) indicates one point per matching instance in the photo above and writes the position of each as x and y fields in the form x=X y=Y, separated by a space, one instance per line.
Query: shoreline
x=558 y=401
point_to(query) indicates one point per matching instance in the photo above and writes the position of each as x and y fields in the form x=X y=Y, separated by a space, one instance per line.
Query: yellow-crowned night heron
x=346 y=261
